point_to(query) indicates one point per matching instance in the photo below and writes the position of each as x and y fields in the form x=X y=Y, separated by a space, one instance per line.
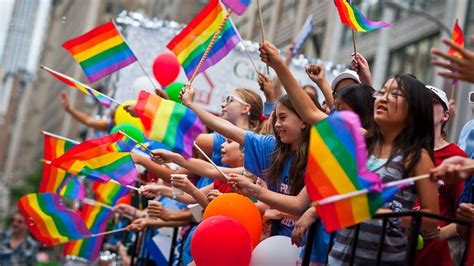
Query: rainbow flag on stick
x=96 y=159
x=168 y=122
x=101 y=51
x=353 y=18
x=237 y=6
x=191 y=43
x=54 y=147
x=98 y=96
x=109 y=192
x=458 y=38
x=96 y=217
x=337 y=166
x=49 y=221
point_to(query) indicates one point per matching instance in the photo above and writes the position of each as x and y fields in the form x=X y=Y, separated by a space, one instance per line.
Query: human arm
x=196 y=166
x=143 y=223
x=83 y=118
x=458 y=68
x=361 y=66
x=288 y=57
x=303 y=104
x=302 y=225
x=157 y=169
x=220 y=125
x=130 y=211
x=164 y=214
x=317 y=73
x=199 y=195
x=266 y=85
x=294 y=205
x=450 y=170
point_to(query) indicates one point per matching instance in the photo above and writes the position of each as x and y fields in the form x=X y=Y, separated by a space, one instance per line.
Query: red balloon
x=166 y=68
x=221 y=240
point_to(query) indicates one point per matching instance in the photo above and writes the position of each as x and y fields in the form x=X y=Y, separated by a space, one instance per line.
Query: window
x=407 y=5
x=414 y=59
x=469 y=26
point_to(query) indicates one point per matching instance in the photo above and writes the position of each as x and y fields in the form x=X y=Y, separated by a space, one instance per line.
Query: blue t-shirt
x=466 y=139
x=258 y=150
x=319 y=250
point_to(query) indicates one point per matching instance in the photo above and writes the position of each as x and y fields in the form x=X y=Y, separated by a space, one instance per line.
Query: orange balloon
x=240 y=208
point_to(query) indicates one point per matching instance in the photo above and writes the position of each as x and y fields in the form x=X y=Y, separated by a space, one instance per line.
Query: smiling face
x=231 y=153
x=288 y=125
x=391 y=107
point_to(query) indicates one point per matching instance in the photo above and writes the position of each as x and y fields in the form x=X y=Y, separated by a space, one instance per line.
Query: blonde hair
x=256 y=107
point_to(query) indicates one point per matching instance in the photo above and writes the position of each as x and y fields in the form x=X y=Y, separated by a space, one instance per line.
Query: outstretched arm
x=156 y=169
x=196 y=166
x=83 y=118
x=294 y=205
x=220 y=125
x=301 y=101
x=317 y=73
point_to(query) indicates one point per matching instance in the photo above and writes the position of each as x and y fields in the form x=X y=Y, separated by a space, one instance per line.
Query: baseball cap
x=441 y=95
x=347 y=74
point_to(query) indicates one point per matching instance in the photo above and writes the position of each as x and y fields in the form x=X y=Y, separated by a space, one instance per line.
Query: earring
x=248 y=113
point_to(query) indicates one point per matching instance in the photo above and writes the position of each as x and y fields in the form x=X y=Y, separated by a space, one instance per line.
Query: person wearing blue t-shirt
x=280 y=159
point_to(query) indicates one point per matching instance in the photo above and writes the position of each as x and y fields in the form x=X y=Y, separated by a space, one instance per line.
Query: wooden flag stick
x=138 y=60
x=127 y=186
x=246 y=49
x=96 y=203
x=84 y=85
x=108 y=232
x=403 y=182
x=354 y=42
x=210 y=161
x=261 y=28
x=59 y=137
x=209 y=47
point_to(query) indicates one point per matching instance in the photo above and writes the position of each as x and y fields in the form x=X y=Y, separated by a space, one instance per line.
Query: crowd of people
x=262 y=148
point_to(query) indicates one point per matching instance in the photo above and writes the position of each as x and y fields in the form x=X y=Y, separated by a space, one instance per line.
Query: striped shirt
x=395 y=242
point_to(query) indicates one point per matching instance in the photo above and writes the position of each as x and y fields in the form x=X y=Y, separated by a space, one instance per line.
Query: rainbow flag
x=86 y=89
x=49 y=221
x=101 y=51
x=337 y=165
x=95 y=159
x=96 y=218
x=54 y=178
x=72 y=188
x=189 y=45
x=109 y=192
x=237 y=6
x=168 y=122
x=353 y=18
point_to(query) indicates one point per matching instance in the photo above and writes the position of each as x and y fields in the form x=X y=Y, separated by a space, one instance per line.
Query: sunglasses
x=232 y=98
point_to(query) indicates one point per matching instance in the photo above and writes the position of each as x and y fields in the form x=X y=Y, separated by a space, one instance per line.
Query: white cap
x=348 y=74
x=440 y=94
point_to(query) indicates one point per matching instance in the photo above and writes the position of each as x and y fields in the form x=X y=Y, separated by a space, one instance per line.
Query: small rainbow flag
x=353 y=18
x=458 y=38
x=168 y=122
x=337 y=165
x=99 y=97
x=72 y=188
x=54 y=178
x=101 y=51
x=237 y=6
x=189 y=45
x=95 y=159
x=109 y=192
x=49 y=221
x=96 y=218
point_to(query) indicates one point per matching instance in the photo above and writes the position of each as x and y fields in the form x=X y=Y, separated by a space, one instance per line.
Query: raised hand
x=459 y=68
x=152 y=190
x=138 y=224
x=361 y=66
x=269 y=54
x=316 y=73
x=65 y=100
x=187 y=95
x=157 y=210
x=242 y=185
x=266 y=85
x=213 y=193
x=450 y=170
x=183 y=183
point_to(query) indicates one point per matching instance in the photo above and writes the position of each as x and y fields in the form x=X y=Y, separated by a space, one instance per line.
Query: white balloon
x=275 y=251
x=143 y=83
